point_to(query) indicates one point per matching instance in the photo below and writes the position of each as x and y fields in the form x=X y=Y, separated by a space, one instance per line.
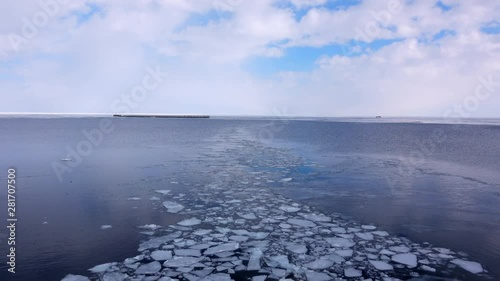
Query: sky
x=260 y=57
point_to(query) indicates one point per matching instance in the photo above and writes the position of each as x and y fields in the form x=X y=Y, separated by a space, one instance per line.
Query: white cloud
x=82 y=67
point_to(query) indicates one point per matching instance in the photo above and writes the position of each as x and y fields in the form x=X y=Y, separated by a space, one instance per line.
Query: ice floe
x=234 y=227
x=173 y=207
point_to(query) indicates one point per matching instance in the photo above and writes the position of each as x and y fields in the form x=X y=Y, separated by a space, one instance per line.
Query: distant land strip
x=160 y=116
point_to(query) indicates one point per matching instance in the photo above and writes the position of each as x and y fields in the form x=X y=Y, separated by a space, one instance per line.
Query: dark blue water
x=428 y=182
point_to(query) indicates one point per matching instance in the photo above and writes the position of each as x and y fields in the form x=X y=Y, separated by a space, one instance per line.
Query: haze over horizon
x=269 y=58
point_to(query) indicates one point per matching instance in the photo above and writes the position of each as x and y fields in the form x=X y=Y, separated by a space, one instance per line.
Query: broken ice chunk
x=298 y=249
x=134 y=198
x=202 y=232
x=302 y=223
x=408 y=259
x=470 y=266
x=364 y=235
x=189 y=222
x=249 y=216
x=181 y=262
x=173 y=207
x=319 y=264
x=160 y=255
x=148 y=268
x=71 y=277
x=381 y=265
x=254 y=262
x=286 y=179
x=217 y=277
x=278 y=261
x=352 y=272
x=289 y=209
x=399 y=249
x=238 y=238
x=101 y=268
x=316 y=217
x=368 y=227
x=106 y=226
x=317 y=276
x=222 y=248
x=344 y=253
x=380 y=233
x=150 y=226
x=340 y=242
x=187 y=252
x=163 y=191
x=114 y=276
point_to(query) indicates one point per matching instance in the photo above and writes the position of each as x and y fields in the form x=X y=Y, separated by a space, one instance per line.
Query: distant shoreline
x=160 y=116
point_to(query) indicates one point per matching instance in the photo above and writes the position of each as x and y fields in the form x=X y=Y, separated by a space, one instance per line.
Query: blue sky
x=314 y=57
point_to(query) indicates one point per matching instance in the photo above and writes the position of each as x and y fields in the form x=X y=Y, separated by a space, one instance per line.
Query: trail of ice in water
x=235 y=227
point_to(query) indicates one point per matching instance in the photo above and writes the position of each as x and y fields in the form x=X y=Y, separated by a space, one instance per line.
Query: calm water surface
x=428 y=182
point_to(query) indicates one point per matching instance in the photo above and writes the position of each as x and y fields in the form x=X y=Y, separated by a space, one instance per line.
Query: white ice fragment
x=160 y=255
x=258 y=235
x=238 y=238
x=106 y=226
x=148 y=268
x=381 y=265
x=428 y=268
x=302 y=223
x=387 y=252
x=150 y=226
x=298 y=249
x=173 y=207
x=101 y=268
x=470 y=266
x=289 y=209
x=340 y=242
x=408 y=259
x=71 y=277
x=189 y=222
x=344 y=253
x=181 y=262
x=317 y=276
x=163 y=191
x=278 y=261
x=380 y=233
x=187 y=252
x=352 y=272
x=399 y=249
x=202 y=232
x=222 y=248
x=368 y=227
x=114 y=276
x=154 y=198
x=134 y=198
x=259 y=278
x=249 y=216
x=286 y=179
x=217 y=277
x=316 y=217
x=364 y=235
x=254 y=262
x=338 y=229
x=319 y=264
